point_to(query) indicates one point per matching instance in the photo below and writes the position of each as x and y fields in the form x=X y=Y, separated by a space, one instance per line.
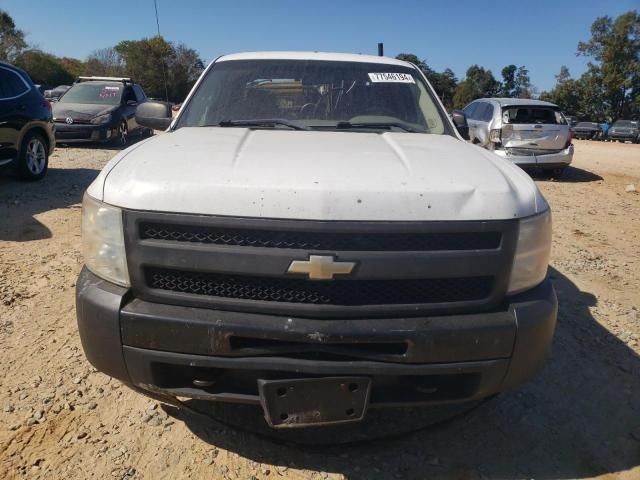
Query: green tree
x=74 y=66
x=508 y=81
x=615 y=47
x=478 y=83
x=566 y=93
x=151 y=60
x=104 y=62
x=43 y=68
x=522 y=87
x=444 y=83
x=12 y=41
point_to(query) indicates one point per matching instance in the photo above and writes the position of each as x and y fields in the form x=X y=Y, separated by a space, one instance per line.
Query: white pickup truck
x=313 y=235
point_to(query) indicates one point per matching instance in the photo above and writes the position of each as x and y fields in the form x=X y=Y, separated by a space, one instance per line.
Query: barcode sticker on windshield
x=391 y=78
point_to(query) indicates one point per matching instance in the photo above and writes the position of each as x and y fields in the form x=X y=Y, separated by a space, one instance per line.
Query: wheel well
x=42 y=132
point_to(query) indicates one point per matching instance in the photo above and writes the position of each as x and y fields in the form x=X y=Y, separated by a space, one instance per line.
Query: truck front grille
x=347 y=242
x=340 y=292
x=402 y=269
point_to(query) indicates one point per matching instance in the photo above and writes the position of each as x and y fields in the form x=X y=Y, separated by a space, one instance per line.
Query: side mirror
x=156 y=115
x=132 y=103
x=460 y=121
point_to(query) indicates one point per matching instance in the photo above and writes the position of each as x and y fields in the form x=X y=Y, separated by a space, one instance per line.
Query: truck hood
x=317 y=176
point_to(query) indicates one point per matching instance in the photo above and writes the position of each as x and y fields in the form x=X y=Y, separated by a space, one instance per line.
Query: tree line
x=609 y=89
x=148 y=61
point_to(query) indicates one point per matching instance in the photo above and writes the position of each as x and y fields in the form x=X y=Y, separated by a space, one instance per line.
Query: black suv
x=26 y=124
x=99 y=109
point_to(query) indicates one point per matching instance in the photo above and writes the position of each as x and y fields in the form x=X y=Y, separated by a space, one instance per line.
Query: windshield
x=538 y=115
x=313 y=94
x=94 y=93
x=625 y=123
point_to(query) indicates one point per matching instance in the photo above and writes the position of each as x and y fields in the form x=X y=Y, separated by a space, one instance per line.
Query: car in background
x=99 y=109
x=625 y=130
x=26 y=125
x=588 y=131
x=530 y=133
x=55 y=93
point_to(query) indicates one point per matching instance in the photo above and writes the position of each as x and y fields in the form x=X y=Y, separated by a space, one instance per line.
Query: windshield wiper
x=261 y=122
x=378 y=125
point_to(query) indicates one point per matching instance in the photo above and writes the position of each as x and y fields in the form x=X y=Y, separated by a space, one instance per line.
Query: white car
x=312 y=235
x=530 y=133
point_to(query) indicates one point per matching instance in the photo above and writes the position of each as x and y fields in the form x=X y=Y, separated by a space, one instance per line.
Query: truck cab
x=312 y=235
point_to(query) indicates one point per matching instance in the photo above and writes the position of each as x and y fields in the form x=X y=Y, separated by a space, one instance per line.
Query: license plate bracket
x=314 y=401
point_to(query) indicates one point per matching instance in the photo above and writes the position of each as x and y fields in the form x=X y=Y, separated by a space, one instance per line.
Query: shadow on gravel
x=577 y=418
x=570 y=175
x=21 y=201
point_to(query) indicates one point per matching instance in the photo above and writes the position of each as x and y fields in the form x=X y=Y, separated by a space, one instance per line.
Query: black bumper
x=84 y=133
x=162 y=349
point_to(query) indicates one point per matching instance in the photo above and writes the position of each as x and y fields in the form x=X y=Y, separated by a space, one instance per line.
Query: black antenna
x=164 y=73
x=381 y=49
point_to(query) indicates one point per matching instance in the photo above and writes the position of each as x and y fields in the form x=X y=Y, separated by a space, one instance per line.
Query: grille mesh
x=321 y=240
x=337 y=292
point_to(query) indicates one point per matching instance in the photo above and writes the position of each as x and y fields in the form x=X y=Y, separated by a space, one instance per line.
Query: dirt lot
x=580 y=418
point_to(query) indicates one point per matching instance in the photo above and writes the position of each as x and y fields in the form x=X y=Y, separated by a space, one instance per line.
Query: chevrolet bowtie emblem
x=319 y=267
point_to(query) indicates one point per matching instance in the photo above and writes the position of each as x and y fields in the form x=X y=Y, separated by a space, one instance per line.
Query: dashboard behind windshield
x=316 y=94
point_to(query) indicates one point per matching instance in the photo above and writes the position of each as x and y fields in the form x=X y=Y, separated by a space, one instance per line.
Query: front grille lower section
x=339 y=292
x=347 y=242
x=402 y=269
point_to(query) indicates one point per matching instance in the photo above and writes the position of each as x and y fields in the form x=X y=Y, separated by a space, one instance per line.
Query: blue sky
x=540 y=34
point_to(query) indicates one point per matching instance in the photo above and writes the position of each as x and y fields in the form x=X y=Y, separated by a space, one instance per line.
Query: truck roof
x=326 y=56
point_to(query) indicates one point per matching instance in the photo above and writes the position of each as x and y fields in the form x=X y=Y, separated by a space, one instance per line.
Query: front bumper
x=162 y=349
x=84 y=133
x=552 y=160
x=622 y=136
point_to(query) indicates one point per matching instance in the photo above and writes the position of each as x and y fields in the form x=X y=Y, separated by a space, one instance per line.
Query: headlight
x=532 y=253
x=102 y=119
x=103 y=241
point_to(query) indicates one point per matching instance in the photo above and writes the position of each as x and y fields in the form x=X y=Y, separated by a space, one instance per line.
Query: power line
x=164 y=73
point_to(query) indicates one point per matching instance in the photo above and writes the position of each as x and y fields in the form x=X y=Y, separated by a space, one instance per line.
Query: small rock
x=155 y=421
x=38 y=415
x=81 y=435
x=23 y=395
x=8 y=408
x=147 y=417
x=92 y=406
x=630 y=188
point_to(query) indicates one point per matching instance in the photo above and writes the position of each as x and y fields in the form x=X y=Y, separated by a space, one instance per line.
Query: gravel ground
x=580 y=418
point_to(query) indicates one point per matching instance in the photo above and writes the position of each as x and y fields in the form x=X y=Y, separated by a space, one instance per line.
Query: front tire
x=33 y=158
x=122 y=136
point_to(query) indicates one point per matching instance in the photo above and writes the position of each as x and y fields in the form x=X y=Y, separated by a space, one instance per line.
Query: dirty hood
x=80 y=111
x=316 y=175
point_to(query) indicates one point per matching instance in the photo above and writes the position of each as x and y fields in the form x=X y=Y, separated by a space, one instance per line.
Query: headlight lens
x=103 y=241
x=532 y=253
x=102 y=119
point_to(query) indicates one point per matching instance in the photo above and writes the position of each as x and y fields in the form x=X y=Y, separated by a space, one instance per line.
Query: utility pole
x=164 y=73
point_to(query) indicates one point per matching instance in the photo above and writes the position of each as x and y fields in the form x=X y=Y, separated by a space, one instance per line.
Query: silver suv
x=530 y=133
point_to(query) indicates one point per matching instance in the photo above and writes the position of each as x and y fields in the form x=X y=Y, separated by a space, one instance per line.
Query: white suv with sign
x=312 y=235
